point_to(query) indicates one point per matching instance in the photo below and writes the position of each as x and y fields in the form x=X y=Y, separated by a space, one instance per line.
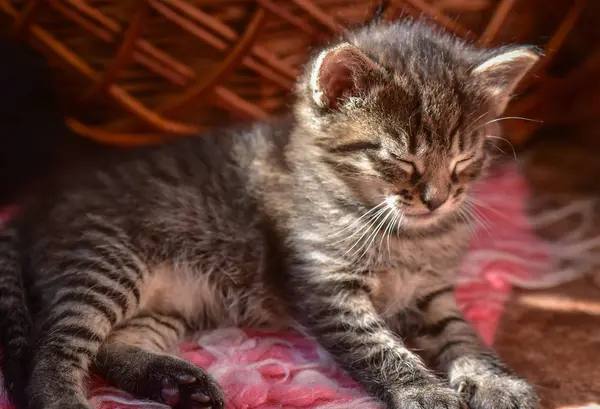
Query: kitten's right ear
x=340 y=73
x=501 y=73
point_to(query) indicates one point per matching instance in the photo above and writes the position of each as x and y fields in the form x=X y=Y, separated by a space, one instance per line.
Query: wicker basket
x=138 y=71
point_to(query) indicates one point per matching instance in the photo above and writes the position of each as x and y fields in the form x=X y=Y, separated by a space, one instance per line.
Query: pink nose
x=433 y=198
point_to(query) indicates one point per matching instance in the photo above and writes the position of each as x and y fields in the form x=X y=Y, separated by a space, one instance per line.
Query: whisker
x=383 y=230
x=500 y=149
x=399 y=223
x=362 y=218
x=383 y=233
x=371 y=239
x=391 y=229
x=476 y=207
x=466 y=218
x=481 y=220
x=355 y=222
x=486 y=206
x=474 y=122
x=507 y=141
x=520 y=118
x=373 y=236
x=367 y=228
x=372 y=220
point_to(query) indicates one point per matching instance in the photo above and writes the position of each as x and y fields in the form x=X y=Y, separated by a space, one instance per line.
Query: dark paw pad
x=179 y=384
x=186 y=391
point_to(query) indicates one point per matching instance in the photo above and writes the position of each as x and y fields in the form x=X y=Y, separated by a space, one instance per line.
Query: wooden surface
x=552 y=337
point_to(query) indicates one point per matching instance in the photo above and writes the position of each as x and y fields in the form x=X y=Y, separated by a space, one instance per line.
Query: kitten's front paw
x=431 y=396
x=486 y=389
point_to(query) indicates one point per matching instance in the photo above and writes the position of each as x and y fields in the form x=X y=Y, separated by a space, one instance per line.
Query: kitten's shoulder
x=240 y=144
x=250 y=139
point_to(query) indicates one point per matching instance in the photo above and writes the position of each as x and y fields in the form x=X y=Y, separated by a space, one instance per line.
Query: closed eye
x=462 y=164
x=356 y=146
x=405 y=165
x=468 y=168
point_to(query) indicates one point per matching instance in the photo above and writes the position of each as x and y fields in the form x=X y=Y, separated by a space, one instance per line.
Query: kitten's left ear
x=501 y=73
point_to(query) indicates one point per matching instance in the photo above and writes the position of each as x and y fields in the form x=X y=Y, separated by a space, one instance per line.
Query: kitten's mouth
x=417 y=216
x=426 y=217
x=422 y=216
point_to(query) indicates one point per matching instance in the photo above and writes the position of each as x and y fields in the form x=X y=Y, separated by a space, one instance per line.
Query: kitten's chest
x=411 y=270
x=395 y=290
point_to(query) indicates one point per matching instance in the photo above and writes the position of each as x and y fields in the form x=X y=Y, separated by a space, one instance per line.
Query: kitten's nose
x=433 y=198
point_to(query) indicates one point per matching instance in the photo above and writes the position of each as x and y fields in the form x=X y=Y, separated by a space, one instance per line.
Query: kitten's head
x=401 y=115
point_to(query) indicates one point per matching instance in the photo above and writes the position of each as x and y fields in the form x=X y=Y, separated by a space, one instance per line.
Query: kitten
x=347 y=222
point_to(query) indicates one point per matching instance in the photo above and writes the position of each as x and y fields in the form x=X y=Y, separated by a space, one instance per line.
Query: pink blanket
x=284 y=370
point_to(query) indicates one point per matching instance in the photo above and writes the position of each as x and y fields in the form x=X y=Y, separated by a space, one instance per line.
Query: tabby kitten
x=346 y=222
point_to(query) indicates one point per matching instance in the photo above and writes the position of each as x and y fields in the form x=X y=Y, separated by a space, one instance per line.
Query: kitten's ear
x=340 y=73
x=501 y=73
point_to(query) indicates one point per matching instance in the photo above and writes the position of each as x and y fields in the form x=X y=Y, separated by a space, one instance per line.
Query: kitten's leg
x=136 y=359
x=90 y=283
x=78 y=324
x=334 y=307
x=451 y=344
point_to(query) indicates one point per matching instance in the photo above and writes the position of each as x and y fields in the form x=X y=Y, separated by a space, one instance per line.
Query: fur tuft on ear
x=341 y=73
x=501 y=73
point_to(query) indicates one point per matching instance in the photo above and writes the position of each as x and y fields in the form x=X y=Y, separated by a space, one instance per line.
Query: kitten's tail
x=15 y=320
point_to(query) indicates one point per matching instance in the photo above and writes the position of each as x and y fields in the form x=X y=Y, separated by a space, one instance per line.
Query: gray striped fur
x=276 y=225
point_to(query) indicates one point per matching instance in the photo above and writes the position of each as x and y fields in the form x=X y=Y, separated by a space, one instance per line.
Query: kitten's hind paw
x=183 y=385
x=160 y=377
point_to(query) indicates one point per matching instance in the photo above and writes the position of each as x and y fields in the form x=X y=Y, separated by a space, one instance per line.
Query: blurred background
x=82 y=77
x=131 y=72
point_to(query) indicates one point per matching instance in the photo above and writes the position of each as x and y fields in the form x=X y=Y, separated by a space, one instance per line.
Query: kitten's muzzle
x=433 y=198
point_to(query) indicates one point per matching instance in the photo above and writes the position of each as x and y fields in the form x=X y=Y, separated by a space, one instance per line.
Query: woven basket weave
x=136 y=72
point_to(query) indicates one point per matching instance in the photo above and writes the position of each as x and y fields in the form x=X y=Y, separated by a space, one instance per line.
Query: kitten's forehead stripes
x=400 y=140
x=426 y=130
x=458 y=137
x=409 y=134
x=413 y=142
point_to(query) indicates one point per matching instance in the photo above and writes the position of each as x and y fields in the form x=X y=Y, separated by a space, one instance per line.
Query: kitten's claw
x=169 y=392
x=200 y=397
x=430 y=396
x=497 y=392
x=487 y=389
x=186 y=379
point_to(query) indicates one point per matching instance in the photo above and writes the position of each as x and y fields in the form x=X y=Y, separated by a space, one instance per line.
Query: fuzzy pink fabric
x=266 y=370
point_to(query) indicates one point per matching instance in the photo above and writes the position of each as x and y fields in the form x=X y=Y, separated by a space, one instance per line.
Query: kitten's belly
x=209 y=301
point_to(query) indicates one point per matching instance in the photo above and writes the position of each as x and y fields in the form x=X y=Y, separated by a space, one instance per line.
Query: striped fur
x=15 y=319
x=346 y=221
